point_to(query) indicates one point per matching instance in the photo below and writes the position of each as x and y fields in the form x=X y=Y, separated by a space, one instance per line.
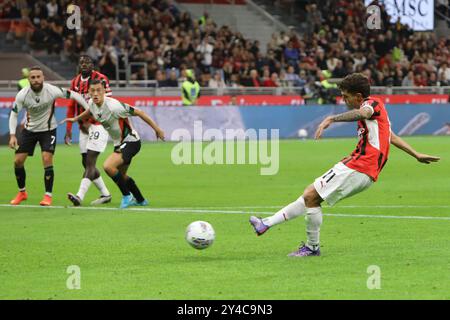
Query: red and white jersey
x=81 y=85
x=372 y=150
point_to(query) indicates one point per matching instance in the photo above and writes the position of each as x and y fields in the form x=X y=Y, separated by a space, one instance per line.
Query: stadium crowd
x=170 y=41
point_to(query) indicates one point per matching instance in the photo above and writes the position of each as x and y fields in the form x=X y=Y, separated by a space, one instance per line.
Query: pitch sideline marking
x=223 y=211
x=349 y=206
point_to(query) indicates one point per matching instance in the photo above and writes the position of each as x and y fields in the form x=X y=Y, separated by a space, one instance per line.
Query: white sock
x=84 y=187
x=313 y=222
x=100 y=184
x=291 y=211
x=48 y=194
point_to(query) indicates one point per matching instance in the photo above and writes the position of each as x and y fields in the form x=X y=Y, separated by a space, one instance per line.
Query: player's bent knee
x=311 y=197
x=47 y=159
x=90 y=173
x=110 y=170
x=19 y=162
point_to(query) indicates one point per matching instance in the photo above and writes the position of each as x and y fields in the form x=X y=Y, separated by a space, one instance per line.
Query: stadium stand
x=156 y=41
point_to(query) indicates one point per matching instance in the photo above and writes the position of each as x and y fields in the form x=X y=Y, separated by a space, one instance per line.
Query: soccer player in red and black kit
x=93 y=137
x=352 y=174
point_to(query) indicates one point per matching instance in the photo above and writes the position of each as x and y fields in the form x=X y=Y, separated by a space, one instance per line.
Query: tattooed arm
x=352 y=115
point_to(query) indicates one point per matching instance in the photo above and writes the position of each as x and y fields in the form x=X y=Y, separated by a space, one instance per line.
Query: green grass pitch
x=401 y=224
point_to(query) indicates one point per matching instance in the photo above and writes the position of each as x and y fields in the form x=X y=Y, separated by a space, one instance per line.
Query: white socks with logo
x=313 y=220
x=291 y=211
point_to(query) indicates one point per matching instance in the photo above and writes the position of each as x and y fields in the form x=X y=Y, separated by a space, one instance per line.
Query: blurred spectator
x=52 y=9
x=291 y=54
x=291 y=77
x=94 y=51
x=160 y=77
x=302 y=79
x=172 y=81
x=252 y=80
x=216 y=81
x=444 y=72
x=234 y=81
x=408 y=80
x=273 y=81
x=419 y=80
x=108 y=63
x=206 y=49
x=432 y=80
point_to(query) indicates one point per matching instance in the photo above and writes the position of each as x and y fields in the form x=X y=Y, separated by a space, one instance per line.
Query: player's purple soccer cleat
x=304 y=251
x=258 y=225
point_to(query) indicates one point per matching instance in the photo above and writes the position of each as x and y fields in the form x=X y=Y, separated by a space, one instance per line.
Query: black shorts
x=128 y=150
x=28 y=140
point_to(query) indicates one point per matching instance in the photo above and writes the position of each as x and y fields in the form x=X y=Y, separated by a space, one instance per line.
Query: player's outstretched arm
x=353 y=115
x=83 y=116
x=403 y=145
x=78 y=98
x=141 y=114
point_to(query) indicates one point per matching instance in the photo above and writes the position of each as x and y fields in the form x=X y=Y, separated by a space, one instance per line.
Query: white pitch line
x=208 y=211
x=354 y=206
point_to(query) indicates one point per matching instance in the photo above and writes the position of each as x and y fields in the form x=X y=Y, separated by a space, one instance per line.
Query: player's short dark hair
x=97 y=81
x=35 y=68
x=356 y=83
x=85 y=56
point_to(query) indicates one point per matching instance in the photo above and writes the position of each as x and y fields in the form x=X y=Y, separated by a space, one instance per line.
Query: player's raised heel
x=21 y=196
x=102 y=200
x=258 y=225
x=47 y=201
x=126 y=201
x=305 y=251
x=74 y=199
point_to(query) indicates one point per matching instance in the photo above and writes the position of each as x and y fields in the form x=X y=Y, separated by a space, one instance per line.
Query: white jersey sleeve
x=20 y=98
x=17 y=107
x=58 y=92
x=121 y=110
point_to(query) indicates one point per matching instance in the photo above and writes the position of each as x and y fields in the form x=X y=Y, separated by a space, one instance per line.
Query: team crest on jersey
x=361 y=132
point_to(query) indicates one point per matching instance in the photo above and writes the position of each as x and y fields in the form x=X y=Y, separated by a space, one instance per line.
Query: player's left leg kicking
x=116 y=166
x=338 y=183
x=96 y=143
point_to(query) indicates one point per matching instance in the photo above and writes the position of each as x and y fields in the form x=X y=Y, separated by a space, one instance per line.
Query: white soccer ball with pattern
x=302 y=133
x=200 y=234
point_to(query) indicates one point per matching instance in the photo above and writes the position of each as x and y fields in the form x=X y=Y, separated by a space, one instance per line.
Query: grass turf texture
x=143 y=255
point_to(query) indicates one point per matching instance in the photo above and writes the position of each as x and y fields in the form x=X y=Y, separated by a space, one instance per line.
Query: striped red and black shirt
x=372 y=150
x=81 y=85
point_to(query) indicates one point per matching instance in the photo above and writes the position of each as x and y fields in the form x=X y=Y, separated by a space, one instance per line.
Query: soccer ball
x=302 y=133
x=200 y=234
